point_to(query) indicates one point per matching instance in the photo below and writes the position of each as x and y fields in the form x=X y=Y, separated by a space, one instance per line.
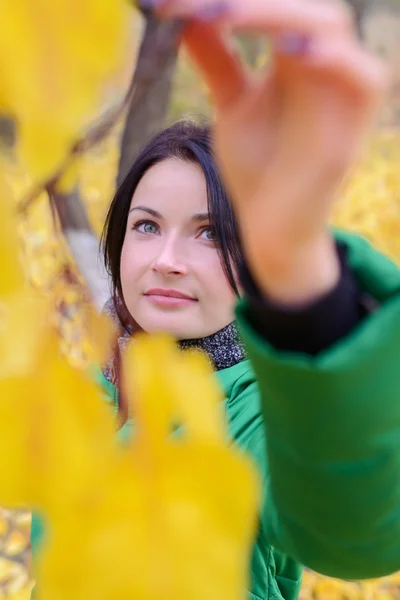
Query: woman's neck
x=224 y=348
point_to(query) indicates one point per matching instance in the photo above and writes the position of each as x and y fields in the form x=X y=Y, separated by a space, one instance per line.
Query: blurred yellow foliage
x=175 y=531
x=51 y=87
x=53 y=69
x=370 y=205
x=371 y=200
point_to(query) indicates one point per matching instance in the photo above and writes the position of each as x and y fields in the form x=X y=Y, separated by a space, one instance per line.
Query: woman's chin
x=178 y=326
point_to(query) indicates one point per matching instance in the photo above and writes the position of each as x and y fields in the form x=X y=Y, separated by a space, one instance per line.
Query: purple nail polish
x=293 y=44
x=148 y=4
x=213 y=11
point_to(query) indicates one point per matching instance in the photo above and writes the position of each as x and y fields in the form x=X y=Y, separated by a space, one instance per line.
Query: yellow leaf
x=55 y=59
x=68 y=180
x=182 y=506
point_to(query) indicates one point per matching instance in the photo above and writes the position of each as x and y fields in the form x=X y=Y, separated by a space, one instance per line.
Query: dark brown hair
x=187 y=141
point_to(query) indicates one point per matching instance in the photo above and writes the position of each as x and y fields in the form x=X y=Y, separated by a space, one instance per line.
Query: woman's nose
x=170 y=261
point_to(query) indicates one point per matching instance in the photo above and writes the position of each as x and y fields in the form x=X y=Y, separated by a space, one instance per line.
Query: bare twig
x=75 y=225
x=95 y=135
x=83 y=243
x=153 y=56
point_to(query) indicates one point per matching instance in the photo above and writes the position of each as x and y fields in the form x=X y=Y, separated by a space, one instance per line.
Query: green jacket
x=325 y=434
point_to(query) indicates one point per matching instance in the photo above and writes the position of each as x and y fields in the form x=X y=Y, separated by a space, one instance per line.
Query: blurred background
x=370 y=205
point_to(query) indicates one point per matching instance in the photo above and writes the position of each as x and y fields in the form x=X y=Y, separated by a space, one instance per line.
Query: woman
x=312 y=392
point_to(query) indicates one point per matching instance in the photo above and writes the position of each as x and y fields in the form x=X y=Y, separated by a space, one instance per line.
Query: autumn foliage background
x=370 y=205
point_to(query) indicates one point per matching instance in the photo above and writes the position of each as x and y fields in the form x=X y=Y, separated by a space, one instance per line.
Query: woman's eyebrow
x=196 y=217
x=201 y=217
x=148 y=210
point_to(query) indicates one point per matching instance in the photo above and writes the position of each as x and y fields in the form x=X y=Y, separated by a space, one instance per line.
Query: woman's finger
x=218 y=61
x=363 y=74
x=307 y=17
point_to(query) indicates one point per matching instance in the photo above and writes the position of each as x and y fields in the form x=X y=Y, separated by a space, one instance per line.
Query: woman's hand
x=284 y=142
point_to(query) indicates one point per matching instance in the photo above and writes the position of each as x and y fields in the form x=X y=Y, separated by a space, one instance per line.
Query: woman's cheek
x=128 y=266
x=123 y=263
x=135 y=262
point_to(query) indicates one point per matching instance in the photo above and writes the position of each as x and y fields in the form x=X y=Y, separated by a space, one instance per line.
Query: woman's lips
x=169 y=298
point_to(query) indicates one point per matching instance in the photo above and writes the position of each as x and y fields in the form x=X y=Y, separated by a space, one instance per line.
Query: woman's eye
x=146 y=227
x=209 y=234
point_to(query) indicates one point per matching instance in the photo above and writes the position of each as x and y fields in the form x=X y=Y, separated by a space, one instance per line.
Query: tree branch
x=159 y=38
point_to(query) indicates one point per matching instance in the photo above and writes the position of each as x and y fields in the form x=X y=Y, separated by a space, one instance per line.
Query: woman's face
x=171 y=273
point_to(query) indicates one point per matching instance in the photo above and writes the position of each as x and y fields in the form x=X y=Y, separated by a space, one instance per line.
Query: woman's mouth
x=169 y=298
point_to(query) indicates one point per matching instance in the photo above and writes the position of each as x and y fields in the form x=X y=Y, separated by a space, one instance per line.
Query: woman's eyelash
x=154 y=228
x=142 y=222
x=209 y=228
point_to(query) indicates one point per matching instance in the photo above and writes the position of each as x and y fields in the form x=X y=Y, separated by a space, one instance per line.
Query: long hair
x=186 y=141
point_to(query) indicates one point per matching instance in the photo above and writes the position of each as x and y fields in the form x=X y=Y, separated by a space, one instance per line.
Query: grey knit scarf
x=224 y=348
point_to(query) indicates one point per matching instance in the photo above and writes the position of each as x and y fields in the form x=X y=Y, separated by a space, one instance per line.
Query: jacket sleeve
x=310 y=327
x=37 y=532
x=332 y=436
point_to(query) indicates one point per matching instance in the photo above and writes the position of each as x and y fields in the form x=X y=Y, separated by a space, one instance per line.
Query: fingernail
x=293 y=44
x=213 y=11
x=148 y=4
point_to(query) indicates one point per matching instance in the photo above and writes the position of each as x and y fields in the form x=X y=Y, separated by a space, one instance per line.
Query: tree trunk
x=7 y=133
x=251 y=48
x=359 y=9
x=82 y=242
x=146 y=116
